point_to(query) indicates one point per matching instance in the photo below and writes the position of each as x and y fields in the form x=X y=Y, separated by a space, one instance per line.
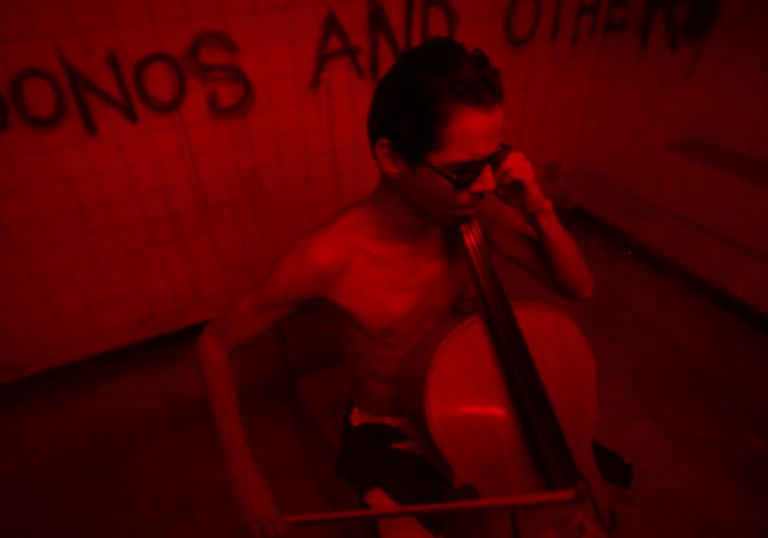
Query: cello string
x=483 y=279
x=530 y=394
x=505 y=316
x=492 y=283
x=513 y=371
x=481 y=264
x=501 y=310
x=493 y=293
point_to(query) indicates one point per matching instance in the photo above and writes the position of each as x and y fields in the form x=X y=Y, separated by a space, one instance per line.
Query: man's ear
x=390 y=161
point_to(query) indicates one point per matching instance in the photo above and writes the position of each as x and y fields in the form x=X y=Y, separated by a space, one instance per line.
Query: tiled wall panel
x=149 y=226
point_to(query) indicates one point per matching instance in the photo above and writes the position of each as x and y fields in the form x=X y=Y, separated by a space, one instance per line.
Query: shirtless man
x=394 y=264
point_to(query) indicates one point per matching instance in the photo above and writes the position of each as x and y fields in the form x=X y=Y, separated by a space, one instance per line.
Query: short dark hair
x=413 y=101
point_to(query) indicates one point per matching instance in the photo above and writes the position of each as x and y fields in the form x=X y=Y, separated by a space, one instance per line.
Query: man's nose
x=486 y=182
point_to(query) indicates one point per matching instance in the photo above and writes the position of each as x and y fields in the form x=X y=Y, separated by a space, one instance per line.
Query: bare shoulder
x=311 y=265
x=306 y=270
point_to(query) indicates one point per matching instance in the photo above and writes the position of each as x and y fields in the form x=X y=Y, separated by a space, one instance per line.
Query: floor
x=126 y=445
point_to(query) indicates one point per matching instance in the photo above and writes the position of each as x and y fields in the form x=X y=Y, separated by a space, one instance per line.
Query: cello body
x=452 y=387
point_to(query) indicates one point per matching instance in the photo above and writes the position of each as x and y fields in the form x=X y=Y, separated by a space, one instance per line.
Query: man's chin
x=465 y=213
x=456 y=218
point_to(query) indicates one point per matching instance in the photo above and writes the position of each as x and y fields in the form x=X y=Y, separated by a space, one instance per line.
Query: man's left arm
x=522 y=224
x=539 y=244
x=564 y=259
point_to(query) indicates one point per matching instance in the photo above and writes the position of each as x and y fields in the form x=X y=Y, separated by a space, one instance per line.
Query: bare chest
x=391 y=297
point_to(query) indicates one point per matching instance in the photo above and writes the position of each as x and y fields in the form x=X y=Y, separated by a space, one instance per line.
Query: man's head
x=438 y=107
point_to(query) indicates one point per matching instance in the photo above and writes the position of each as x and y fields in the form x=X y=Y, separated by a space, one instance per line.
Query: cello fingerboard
x=541 y=428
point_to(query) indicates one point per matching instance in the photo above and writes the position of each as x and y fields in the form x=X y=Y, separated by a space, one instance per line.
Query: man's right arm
x=305 y=271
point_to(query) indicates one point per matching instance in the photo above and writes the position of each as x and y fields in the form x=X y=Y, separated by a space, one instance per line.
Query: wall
x=155 y=157
x=678 y=153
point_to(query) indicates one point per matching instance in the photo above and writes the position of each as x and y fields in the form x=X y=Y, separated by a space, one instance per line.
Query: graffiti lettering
x=152 y=102
x=700 y=17
x=450 y=15
x=511 y=37
x=651 y=7
x=582 y=11
x=378 y=22
x=219 y=71
x=79 y=83
x=332 y=25
x=18 y=100
x=555 y=33
x=610 y=24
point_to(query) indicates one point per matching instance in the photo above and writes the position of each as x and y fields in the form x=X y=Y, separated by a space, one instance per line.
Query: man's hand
x=516 y=186
x=253 y=493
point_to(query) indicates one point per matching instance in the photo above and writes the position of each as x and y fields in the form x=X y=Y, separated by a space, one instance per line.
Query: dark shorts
x=368 y=461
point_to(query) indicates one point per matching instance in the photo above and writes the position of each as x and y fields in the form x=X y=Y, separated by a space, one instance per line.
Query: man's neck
x=403 y=222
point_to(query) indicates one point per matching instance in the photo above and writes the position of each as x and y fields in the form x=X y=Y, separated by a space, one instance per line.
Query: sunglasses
x=473 y=171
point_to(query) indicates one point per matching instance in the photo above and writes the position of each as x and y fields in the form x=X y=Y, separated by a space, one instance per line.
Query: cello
x=508 y=397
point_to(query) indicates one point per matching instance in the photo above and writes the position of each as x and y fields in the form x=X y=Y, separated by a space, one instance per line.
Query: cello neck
x=541 y=428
